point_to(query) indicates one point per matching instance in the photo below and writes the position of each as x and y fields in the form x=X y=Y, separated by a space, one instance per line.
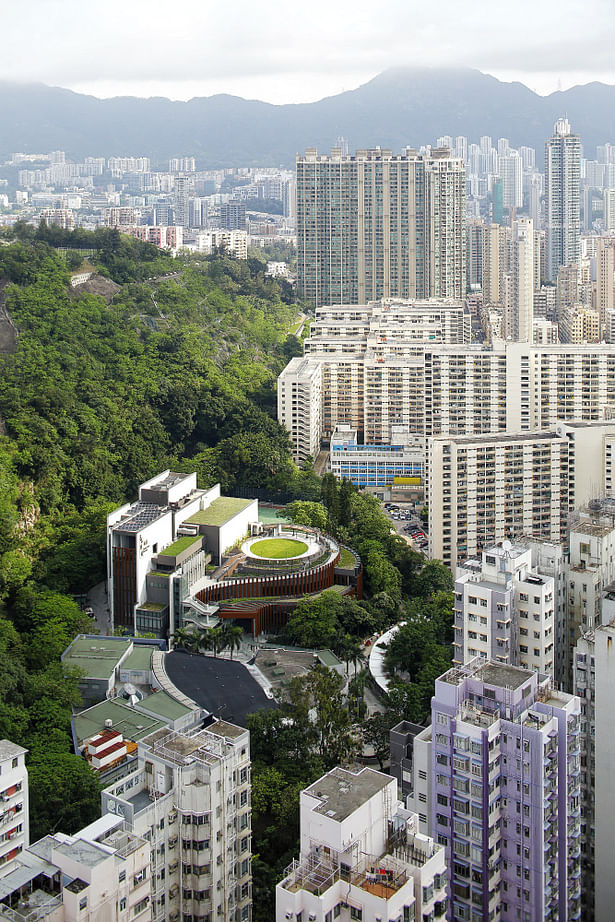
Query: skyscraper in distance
x=181 y=204
x=379 y=225
x=523 y=280
x=562 y=197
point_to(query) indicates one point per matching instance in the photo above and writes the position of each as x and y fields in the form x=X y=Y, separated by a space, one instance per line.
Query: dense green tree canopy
x=176 y=368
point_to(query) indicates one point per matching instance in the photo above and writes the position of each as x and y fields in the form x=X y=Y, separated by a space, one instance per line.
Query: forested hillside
x=175 y=371
x=176 y=367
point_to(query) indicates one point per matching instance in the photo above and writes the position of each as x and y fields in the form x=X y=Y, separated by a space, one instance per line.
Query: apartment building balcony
x=33 y=908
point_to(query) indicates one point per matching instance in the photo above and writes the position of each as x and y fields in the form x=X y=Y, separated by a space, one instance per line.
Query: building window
x=83 y=903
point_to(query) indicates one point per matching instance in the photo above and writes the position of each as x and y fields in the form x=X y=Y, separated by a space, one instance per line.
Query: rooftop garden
x=347 y=559
x=220 y=511
x=278 y=548
x=180 y=545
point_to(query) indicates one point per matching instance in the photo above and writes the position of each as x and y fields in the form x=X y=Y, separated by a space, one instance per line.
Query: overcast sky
x=298 y=52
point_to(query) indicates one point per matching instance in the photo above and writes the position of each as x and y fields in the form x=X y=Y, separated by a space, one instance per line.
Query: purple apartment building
x=497 y=776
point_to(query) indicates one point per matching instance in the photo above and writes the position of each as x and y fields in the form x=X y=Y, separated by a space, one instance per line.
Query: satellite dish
x=506 y=545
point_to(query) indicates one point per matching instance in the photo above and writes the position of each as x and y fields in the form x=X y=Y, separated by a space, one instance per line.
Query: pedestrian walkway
x=377 y=654
x=97 y=600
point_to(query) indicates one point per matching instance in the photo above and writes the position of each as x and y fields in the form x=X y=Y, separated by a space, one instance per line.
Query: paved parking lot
x=221 y=686
x=400 y=525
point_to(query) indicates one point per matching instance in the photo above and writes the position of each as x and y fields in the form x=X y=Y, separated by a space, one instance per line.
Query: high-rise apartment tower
x=379 y=225
x=562 y=197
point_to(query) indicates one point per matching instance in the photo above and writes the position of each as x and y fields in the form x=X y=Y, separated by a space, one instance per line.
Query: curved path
x=376 y=657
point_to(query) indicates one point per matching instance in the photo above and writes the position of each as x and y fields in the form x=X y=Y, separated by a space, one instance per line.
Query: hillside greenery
x=177 y=369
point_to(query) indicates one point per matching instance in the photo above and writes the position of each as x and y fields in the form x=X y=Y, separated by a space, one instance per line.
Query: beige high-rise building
x=496 y=263
x=448 y=389
x=190 y=797
x=300 y=406
x=523 y=281
x=580 y=325
x=605 y=281
x=485 y=489
x=567 y=288
x=609 y=209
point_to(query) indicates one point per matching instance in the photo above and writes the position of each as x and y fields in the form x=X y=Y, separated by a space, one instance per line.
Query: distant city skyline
x=279 y=54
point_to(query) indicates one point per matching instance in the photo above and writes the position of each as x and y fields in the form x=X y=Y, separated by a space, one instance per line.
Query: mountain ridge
x=398 y=107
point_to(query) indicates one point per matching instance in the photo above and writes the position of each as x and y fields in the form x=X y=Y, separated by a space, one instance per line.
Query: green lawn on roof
x=180 y=545
x=278 y=548
x=220 y=511
x=347 y=560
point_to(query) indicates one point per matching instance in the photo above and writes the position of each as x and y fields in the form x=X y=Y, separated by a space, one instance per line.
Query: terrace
x=31 y=908
x=382 y=877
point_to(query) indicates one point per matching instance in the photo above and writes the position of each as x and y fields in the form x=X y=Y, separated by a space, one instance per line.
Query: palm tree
x=216 y=639
x=187 y=638
x=232 y=635
x=204 y=640
x=349 y=649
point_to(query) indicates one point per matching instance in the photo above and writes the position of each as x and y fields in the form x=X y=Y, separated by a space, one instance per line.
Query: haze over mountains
x=402 y=106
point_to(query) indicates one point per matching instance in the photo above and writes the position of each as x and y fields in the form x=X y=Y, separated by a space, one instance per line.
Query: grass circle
x=278 y=548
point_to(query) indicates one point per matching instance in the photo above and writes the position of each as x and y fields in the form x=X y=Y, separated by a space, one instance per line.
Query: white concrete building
x=362 y=856
x=545 y=332
x=510 y=168
x=119 y=165
x=549 y=559
x=100 y=873
x=277 y=270
x=169 y=534
x=591 y=567
x=14 y=814
x=504 y=610
x=483 y=489
x=374 y=382
x=391 y=321
x=521 y=326
x=190 y=794
x=300 y=406
x=233 y=242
